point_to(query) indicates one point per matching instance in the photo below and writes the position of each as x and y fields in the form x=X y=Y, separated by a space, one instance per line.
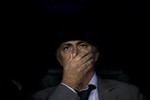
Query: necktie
x=85 y=93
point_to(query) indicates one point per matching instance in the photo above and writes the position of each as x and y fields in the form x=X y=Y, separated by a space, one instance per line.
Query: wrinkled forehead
x=74 y=42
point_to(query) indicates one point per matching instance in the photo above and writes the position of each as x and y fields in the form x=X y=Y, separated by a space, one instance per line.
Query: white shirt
x=94 y=93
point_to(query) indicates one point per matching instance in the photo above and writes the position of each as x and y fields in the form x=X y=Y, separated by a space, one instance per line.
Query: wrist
x=70 y=84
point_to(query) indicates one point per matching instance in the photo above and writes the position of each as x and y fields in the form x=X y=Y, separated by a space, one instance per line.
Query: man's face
x=71 y=49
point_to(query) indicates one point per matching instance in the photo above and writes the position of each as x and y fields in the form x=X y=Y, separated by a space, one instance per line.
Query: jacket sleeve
x=61 y=92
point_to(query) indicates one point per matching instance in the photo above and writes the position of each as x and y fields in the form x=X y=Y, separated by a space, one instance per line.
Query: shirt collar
x=93 y=81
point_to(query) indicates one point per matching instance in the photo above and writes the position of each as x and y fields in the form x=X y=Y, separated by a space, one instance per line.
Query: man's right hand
x=75 y=68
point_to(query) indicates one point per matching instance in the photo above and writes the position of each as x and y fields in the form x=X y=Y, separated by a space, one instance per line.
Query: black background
x=28 y=29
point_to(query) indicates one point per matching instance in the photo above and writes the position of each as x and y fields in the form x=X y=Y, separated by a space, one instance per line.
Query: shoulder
x=121 y=85
x=117 y=86
x=122 y=88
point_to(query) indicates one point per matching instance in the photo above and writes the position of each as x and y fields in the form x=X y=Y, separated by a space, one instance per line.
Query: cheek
x=65 y=57
x=86 y=50
x=83 y=51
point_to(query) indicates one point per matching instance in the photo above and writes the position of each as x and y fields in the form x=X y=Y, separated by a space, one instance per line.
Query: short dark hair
x=82 y=32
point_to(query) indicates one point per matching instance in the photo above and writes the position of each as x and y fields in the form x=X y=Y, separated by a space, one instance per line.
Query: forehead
x=73 y=42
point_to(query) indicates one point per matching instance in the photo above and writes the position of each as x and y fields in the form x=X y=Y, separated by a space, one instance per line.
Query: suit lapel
x=105 y=90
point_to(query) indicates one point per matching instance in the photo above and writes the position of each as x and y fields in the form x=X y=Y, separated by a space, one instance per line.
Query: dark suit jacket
x=107 y=89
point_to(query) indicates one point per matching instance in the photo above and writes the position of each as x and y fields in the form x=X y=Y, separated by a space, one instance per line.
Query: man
x=77 y=55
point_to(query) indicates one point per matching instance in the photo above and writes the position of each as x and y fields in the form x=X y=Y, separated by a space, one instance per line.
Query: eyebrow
x=66 y=44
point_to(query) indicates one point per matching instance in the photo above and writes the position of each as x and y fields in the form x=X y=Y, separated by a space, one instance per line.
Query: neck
x=86 y=80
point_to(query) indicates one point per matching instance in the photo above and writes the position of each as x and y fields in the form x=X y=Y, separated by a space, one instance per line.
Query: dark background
x=28 y=29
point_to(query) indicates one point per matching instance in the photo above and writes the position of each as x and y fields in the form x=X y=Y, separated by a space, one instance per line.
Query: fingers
x=81 y=61
x=82 y=56
x=78 y=57
x=89 y=64
x=87 y=58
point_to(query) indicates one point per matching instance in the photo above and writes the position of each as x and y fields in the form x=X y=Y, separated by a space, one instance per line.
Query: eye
x=66 y=48
x=83 y=45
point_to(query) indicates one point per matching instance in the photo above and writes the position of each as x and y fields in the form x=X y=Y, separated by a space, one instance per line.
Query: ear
x=96 y=56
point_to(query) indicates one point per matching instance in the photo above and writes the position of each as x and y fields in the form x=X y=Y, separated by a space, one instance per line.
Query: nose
x=75 y=52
